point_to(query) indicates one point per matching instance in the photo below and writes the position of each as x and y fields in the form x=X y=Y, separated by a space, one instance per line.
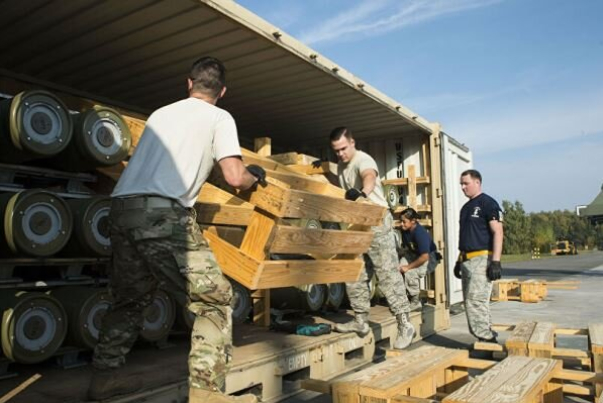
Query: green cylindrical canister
x=35 y=223
x=85 y=308
x=159 y=317
x=101 y=137
x=392 y=196
x=34 y=326
x=33 y=125
x=335 y=295
x=90 y=227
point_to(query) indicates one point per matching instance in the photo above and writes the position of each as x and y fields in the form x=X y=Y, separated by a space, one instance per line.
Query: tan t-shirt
x=349 y=176
x=177 y=151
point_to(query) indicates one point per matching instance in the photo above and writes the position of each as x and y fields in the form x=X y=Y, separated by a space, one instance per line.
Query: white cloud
x=375 y=17
x=524 y=123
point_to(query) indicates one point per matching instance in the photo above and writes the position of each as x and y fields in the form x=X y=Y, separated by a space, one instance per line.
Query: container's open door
x=456 y=158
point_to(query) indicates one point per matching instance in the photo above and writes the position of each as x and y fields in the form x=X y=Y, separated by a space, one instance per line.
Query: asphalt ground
x=567 y=308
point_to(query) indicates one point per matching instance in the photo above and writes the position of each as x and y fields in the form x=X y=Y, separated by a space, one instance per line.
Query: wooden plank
x=578 y=390
x=249 y=157
x=292 y=203
x=347 y=388
x=579 y=376
x=285 y=273
x=401 y=375
x=572 y=332
x=517 y=343
x=570 y=352
x=213 y=194
x=420 y=180
x=542 y=341
x=289 y=158
x=318 y=241
x=595 y=345
x=516 y=379
x=499 y=327
x=475 y=363
x=19 y=388
x=222 y=214
x=531 y=291
x=437 y=205
x=259 y=236
x=483 y=346
x=411 y=399
x=316 y=385
x=235 y=264
x=412 y=186
x=262 y=146
x=307 y=184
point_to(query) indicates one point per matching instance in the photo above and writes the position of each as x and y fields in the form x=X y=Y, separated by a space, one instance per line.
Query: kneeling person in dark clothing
x=419 y=255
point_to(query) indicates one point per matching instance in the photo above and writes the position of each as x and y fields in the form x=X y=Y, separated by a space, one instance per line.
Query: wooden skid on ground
x=532 y=290
x=539 y=339
x=422 y=373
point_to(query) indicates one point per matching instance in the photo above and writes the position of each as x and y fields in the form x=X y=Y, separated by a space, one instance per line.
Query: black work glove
x=259 y=173
x=318 y=163
x=352 y=194
x=457 y=270
x=494 y=271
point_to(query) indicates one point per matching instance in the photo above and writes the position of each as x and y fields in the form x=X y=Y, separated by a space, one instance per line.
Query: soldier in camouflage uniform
x=359 y=176
x=480 y=244
x=157 y=242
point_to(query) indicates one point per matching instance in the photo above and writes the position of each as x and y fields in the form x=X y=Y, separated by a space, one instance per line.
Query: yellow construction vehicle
x=564 y=248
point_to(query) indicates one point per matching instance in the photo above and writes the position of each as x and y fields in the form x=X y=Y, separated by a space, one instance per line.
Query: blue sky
x=519 y=81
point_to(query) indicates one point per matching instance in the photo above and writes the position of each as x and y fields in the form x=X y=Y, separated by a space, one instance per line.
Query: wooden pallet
x=431 y=372
x=530 y=291
x=540 y=339
x=425 y=372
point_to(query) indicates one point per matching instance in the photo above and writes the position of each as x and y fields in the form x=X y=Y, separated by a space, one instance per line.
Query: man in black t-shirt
x=480 y=246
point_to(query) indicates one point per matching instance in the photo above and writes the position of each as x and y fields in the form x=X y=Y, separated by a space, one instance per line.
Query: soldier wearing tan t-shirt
x=359 y=177
x=157 y=242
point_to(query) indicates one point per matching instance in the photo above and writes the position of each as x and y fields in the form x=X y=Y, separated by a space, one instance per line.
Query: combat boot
x=106 y=383
x=196 y=395
x=406 y=332
x=415 y=303
x=359 y=325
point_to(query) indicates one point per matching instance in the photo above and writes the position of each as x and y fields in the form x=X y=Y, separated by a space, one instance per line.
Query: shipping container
x=133 y=56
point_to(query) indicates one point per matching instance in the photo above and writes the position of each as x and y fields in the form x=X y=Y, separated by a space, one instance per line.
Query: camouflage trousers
x=476 y=294
x=382 y=261
x=412 y=278
x=163 y=248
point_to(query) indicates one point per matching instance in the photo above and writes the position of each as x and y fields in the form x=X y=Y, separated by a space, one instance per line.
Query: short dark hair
x=410 y=213
x=339 y=132
x=208 y=75
x=472 y=173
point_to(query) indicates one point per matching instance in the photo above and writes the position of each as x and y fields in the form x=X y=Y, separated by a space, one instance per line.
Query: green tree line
x=525 y=231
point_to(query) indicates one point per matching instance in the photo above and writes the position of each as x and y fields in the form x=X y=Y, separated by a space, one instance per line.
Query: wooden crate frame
x=539 y=339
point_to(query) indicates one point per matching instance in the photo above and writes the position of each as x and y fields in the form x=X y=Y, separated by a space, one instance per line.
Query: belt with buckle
x=470 y=255
x=144 y=202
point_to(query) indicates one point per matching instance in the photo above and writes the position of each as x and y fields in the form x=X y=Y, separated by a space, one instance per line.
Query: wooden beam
x=437 y=217
x=262 y=146
x=290 y=203
x=419 y=180
x=542 y=341
x=259 y=236
x=412 y=186
x=517 y=343
x=318 y=241
x=235 y=264
x=290 y=158
x=19 y=388
x=579 y=376
x=307 y=184
x=595 y=345
x=223 y=214
x=316 y=385
x=285 y=273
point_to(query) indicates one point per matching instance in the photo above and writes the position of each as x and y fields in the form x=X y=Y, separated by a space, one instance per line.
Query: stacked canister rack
x=54 y=224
